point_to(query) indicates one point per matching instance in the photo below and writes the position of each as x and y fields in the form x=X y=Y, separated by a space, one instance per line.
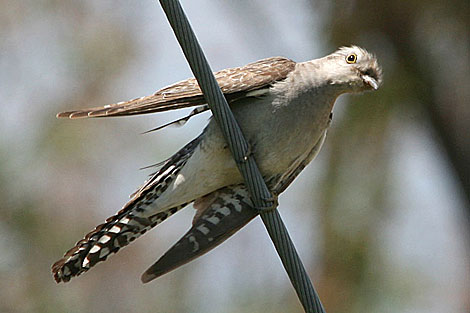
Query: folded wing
x=234 y=82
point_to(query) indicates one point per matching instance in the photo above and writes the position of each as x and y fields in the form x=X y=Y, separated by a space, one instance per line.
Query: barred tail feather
x=128 y=224
x=106 y=239
x=230 y=210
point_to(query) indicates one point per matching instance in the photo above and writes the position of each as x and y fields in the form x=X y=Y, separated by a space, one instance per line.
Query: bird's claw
x=274 y=200
x=248 y=153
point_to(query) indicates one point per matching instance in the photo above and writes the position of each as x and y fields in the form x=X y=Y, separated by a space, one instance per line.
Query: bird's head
x=353 y=69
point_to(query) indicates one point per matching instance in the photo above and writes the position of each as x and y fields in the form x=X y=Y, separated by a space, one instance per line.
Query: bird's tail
x=229 y=210
x=118 y=231
x=127 y=225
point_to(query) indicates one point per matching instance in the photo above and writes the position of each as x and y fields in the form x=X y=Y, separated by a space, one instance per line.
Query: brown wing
x=187 y=93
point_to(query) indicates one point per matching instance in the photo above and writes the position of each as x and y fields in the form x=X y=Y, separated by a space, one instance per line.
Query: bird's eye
x=352 y=58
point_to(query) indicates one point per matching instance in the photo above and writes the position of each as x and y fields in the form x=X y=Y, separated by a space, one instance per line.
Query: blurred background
x=380 y=218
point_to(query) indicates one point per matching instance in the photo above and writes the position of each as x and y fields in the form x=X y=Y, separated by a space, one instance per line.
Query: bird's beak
x=370 y=81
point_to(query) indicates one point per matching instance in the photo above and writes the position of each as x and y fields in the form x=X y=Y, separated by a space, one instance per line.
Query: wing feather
x=232 y=81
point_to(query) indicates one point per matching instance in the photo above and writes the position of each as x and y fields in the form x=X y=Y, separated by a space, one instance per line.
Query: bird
x=284 y=109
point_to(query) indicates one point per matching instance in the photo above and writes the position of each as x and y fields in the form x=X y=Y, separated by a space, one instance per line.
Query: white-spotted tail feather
x=228 y=210
x=128 y=224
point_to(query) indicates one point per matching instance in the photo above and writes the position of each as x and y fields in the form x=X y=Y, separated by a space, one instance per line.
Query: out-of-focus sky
x=61 y=178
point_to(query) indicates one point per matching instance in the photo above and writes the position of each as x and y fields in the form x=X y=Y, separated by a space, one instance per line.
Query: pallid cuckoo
x=283 y=108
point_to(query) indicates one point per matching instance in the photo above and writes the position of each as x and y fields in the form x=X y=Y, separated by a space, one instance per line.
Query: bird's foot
x=273 y=201
x=248 y=153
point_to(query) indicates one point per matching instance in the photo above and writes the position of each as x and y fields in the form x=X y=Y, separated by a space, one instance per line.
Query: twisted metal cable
x=259 y=192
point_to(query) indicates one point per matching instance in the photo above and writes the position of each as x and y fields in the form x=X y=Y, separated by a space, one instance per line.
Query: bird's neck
x=306 y=85
x=318 y=76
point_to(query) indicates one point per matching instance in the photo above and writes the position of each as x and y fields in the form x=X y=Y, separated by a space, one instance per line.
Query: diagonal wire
x=259 y=192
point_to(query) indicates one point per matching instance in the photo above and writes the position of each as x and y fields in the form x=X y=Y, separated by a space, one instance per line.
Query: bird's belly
x=211 y=167
x=278 y=143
